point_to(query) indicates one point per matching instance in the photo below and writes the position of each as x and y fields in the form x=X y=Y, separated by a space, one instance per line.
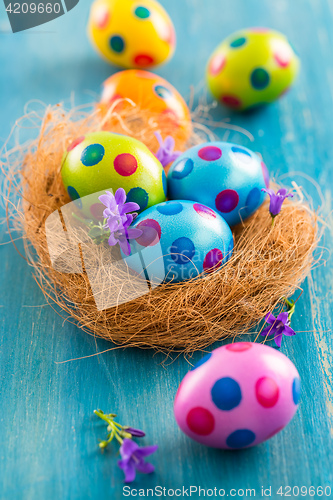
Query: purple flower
x=118 y=219
x=121 y=235
x=116 y=207
x=166 y=153
x=278 y=327
x=277 y=199
x=133 y=459
x=134 y=432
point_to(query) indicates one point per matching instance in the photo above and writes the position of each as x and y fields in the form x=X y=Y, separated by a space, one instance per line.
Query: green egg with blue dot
x=102 y=161
x=252 y=67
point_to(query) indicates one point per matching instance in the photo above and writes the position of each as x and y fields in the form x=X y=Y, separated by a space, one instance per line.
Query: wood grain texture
x=48 y=437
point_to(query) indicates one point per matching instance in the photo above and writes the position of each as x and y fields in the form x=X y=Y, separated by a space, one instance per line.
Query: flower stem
x=79 y=219
x=119 y=439
x=116 y=429
x=290 y=306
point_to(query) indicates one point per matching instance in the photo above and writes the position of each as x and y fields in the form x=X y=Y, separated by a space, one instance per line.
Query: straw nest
x=268 y=262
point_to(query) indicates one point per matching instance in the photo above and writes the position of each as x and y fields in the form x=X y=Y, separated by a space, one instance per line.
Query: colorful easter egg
x=180 y=240
x=131 y=34
x=152 y=93
x=252 y=67
x=221 y=175
x=104 y=161
x=238 y=396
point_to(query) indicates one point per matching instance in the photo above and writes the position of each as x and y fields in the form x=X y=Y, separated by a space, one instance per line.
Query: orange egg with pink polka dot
x=105 y=161
x=130 y=33
x=150 y=93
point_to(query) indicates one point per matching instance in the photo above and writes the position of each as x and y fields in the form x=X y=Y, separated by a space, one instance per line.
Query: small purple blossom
x=166 y=153
x=120 y=234
x=133 y=459
x=277 y=200
x=116 y=207
x=278 y=326
x=118 y=219
x=134 y=432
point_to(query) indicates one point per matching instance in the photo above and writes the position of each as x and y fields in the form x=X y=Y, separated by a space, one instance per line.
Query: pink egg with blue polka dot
x=180 y=240
x=238 y=396
x=102 y=161
x=224 y=176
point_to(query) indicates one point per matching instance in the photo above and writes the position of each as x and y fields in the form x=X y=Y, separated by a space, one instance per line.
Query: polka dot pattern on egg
x=138 y=195
x=238 y=346
x=143 y=60
x=230 y=249
x=222 y=176
x=227 y=201
x=282 y=54
x=92 y=155
x=102 y=17
x=265 y=173
x=162 y=92
x=164 y=183
x=231 y=101
x=250 y=389
x=183 y=168
x=259 y=78
x=204 y=211
x=238 y=42
x=125 y=164
x=202 y=361
x=102 y=161
x=74 y=195
x=97 y=210
x=240 y=438
x=192 y=239
x=251 y=68
x=213 y=260
x=117 y=44
x=242 y=154
x=252 y=200
x=201 y=421
x=151 y=233
x=182 y=250
x=267 y=392
x=217 y=64
x=142 y=12
x=226 y=394
x=75 y=143
x=296 y=390
x=171 y=208
x=131 y=34
x=210 y=153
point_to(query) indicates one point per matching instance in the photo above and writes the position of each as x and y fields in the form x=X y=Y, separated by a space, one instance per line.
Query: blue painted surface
x=47 y=433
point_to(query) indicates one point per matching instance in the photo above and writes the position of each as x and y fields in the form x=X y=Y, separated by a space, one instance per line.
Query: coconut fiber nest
x=268 y=263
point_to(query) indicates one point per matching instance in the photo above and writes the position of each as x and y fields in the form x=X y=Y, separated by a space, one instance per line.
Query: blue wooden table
x=48 y=434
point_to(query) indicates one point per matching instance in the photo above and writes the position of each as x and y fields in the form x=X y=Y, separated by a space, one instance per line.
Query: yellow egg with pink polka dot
x=252 y=67
x=130 y=33
x=102 y=161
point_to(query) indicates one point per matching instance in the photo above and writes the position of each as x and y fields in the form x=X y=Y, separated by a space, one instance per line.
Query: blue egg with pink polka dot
x=180 y=240
x=226 y=177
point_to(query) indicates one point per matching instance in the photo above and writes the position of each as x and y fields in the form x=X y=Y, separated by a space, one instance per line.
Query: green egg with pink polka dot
x=102 y=161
